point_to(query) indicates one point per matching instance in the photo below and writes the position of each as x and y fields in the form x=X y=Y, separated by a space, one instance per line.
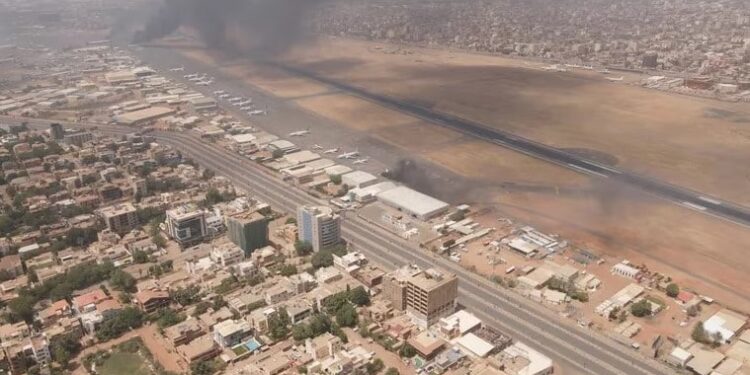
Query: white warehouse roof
x=413 y=202
x=358 y=179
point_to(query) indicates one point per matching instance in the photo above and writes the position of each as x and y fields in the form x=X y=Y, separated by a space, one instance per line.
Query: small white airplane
x=180 y=69
x=611 y=79
x=189 y=76
x=219 y=92
x=317 y=147
x=361 y=161
x=299 y=133
x=257 y=112
x=332 y=151
x=246 y=108
x=203 y=83
x=349 y=155
x=224 y=95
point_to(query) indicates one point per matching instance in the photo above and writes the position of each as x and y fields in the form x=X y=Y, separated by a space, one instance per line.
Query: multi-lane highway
x=577 y=349
x=690 y=199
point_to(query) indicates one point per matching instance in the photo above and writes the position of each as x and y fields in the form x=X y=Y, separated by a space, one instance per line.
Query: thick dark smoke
x=235 y=26
x=409 y=173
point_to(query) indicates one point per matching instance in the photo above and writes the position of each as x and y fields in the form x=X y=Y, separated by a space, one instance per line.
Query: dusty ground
x=697 y=143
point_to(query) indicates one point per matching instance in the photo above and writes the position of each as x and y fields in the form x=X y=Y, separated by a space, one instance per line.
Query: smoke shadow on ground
x=333 y=66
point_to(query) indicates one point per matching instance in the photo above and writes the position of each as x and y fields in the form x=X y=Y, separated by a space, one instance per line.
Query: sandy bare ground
x=694 y=142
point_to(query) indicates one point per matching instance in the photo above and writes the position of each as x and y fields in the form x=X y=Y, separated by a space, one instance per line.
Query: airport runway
x=575 y=348
x=687 y=198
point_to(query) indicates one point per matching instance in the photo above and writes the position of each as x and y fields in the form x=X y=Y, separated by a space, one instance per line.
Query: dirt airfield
x=696 y=143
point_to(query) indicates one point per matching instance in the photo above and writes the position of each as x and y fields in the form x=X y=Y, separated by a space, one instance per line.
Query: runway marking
x=584 y=170
x=709 y=200
x=694 y=206
x=606 y=168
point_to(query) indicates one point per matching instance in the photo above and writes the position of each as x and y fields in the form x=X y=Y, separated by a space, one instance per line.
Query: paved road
x=697 y=201
x=575 y=348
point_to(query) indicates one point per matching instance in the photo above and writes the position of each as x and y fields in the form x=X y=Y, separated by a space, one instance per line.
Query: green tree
x=288 y=270
x=301 y=332
x=375 y=366
x=186 y=296
x=63 y=348
x=359 y=296
x=391 y=371
x=278 y=325
x=641 y=308
x=22 y=308
x=121 y=280
x=347 y=316
x=202 y=368
x=277 y=153
x=140 y=257
x=336 y=179
x=673 y=290
x=168 y=317
x=407 y=351
x=303 y=248
x=321 y=259
x=127 y=319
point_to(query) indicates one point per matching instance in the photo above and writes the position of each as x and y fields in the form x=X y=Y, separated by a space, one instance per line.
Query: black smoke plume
x=234 y=26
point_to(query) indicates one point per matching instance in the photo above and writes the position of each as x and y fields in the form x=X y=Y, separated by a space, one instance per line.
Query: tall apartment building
x=248 y=230
x=319 y=226
x=56 y=131
x=186 y=225
x=431 y=295
x=394 y=285
x=120 y=218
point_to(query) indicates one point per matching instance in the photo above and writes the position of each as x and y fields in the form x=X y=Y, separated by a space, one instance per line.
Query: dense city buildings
x=697 y=38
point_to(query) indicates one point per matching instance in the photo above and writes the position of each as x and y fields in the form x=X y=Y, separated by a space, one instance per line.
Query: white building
x=227 y=254
x=319 y=226
x=186 y=225
x=413 y=203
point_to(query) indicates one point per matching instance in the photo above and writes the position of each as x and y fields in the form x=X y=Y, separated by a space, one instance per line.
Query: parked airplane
x=219 y=92
x=317 y=147
x=361 y=161
x=299 y=133
x=257 y=112
x=180 y=69
x=614 y=79
x=349 y=155
x=332 y=151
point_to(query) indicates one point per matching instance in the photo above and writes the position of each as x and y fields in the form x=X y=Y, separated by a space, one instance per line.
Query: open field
x=121 y=363
x=697 y=143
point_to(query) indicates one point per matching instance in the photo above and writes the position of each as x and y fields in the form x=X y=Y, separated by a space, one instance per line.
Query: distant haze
x=234 y=26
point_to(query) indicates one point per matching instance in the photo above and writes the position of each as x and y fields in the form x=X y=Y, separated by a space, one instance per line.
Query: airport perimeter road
x=573 y=347
x=679 y=195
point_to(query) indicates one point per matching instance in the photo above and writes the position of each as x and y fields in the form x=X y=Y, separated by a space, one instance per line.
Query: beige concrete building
x=120 y=218
x=394 y=285
x=431 y=295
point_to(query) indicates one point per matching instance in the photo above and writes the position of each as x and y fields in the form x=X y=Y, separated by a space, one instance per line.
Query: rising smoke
x=234 y=26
